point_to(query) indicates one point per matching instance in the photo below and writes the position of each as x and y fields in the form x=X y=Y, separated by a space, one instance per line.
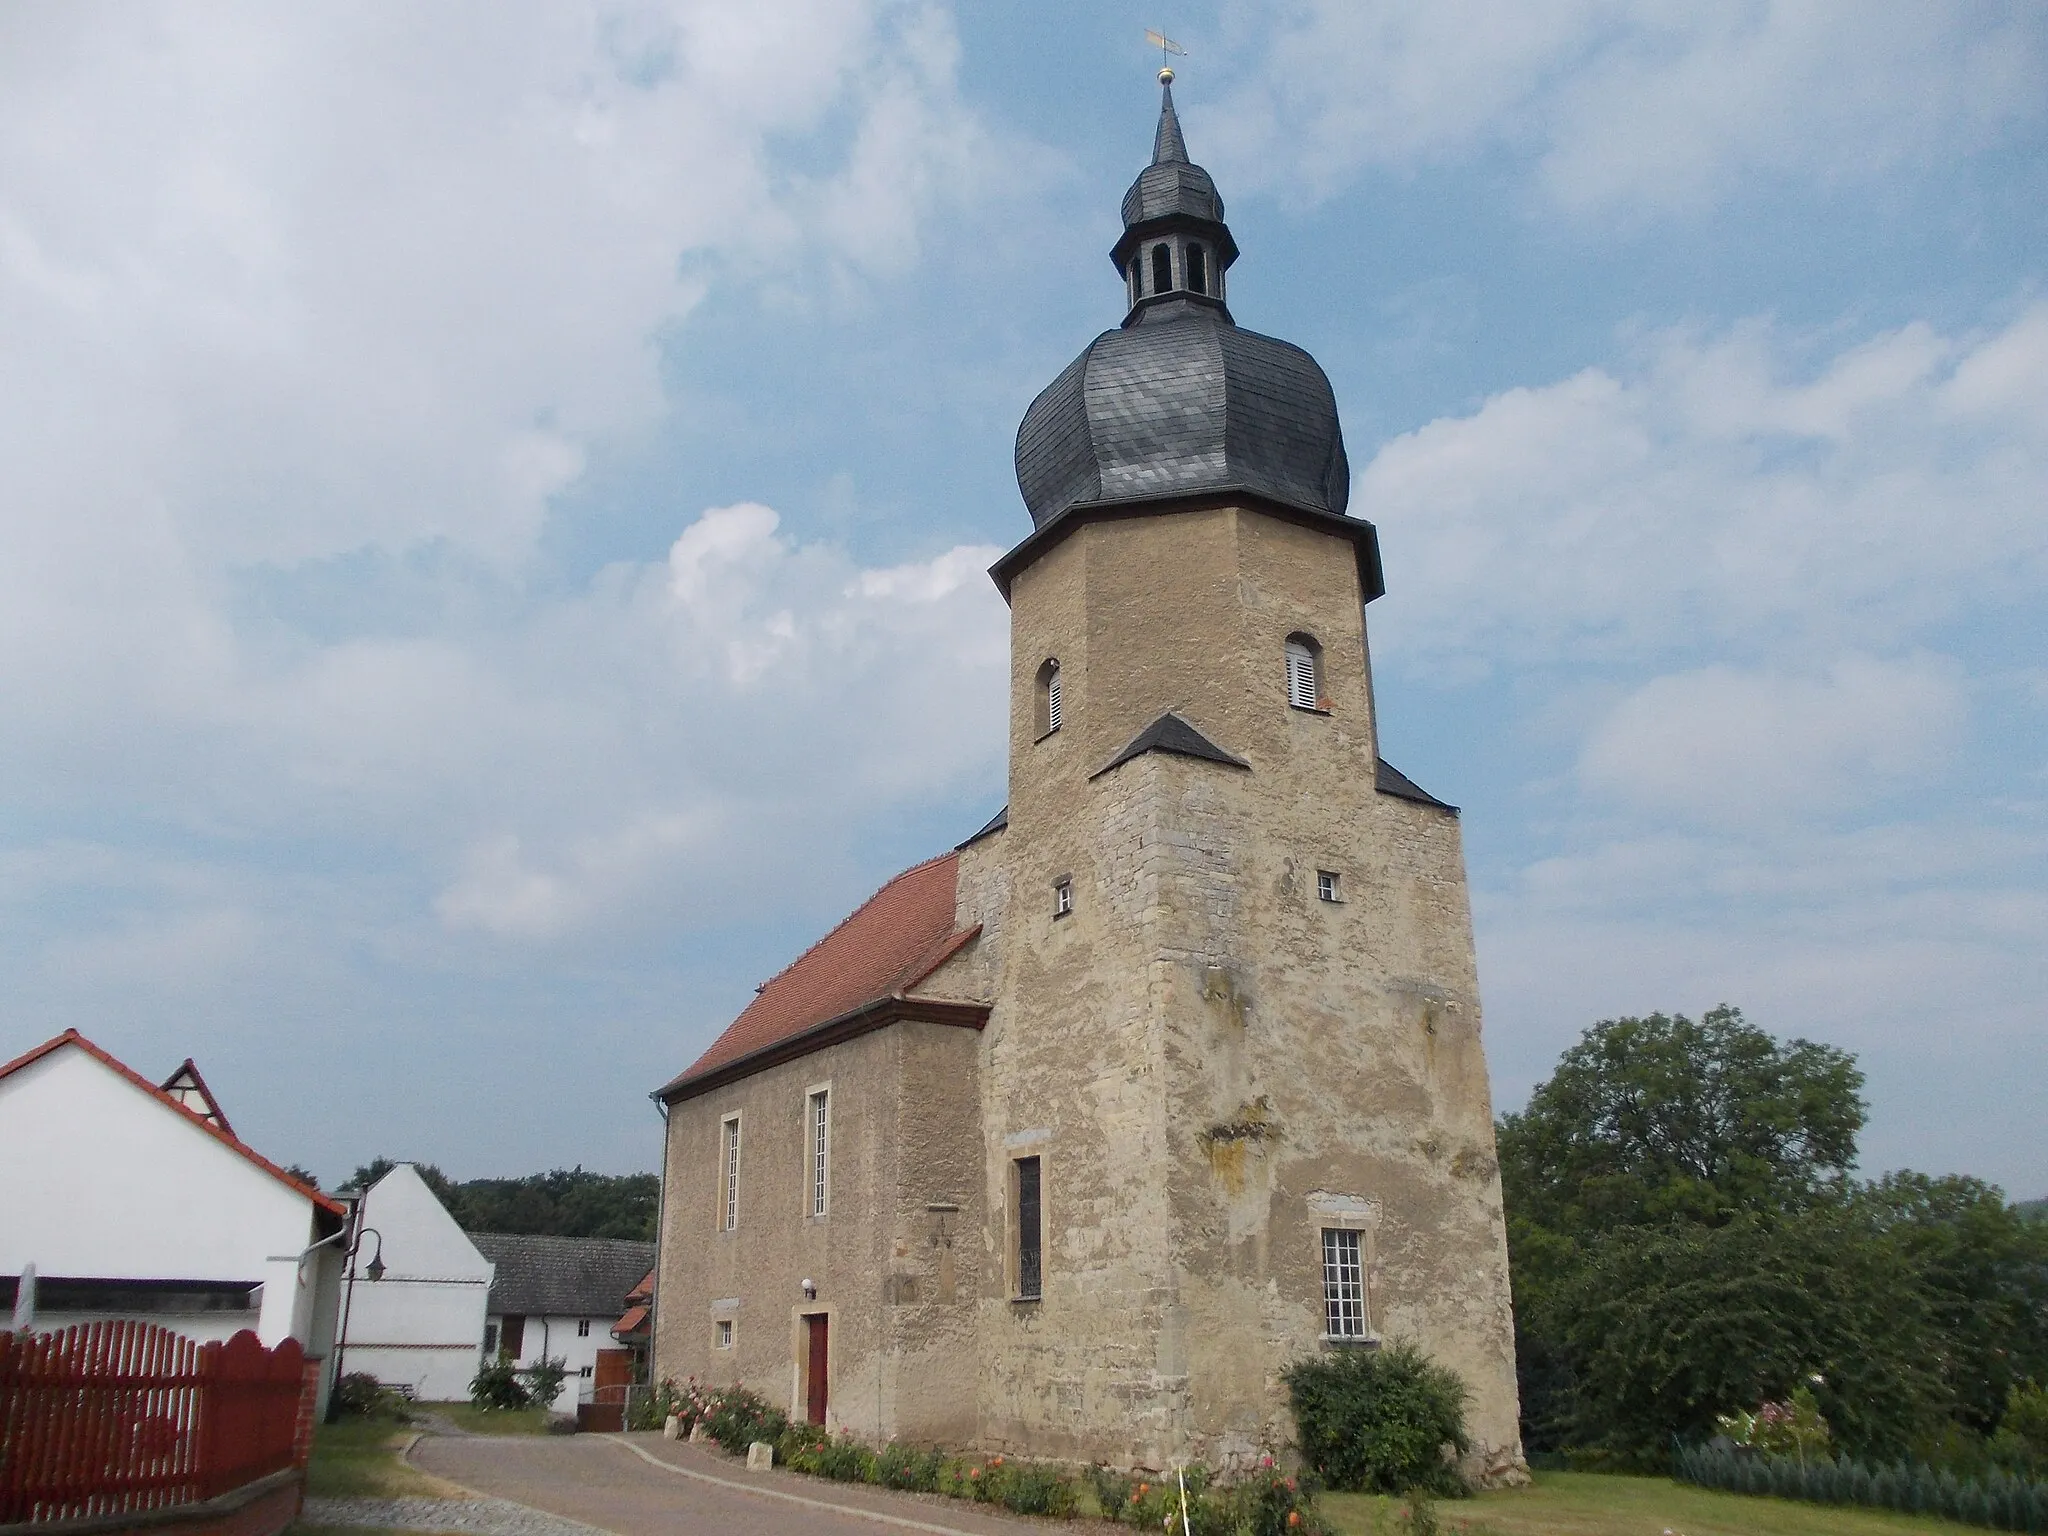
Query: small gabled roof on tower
x=1171 y=733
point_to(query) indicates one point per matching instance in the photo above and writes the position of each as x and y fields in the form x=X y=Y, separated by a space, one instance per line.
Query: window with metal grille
x=1343 y=1285
x=1030 y=1231
x=1304 y=673
x=729 y=1209
x=1162 y=269
x=1198 y=270
x=1052 y=701
x=821 y=1147
x=722 y=1333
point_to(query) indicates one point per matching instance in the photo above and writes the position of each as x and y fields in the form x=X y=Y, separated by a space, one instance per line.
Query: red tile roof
x=644 y=1291
x=633 y=1322
x=893 y=941
x=226 y=1138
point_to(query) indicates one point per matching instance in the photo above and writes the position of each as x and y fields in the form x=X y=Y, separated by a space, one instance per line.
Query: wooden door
x=512 y=1338
x=817 y=1368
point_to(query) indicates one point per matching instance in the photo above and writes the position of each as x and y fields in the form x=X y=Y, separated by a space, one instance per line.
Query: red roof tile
x=226 y=1138
x=634 y=1321
x=893 y=941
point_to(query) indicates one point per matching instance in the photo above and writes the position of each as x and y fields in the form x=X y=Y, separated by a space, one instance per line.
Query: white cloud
x=1624 y=105
x=1738 y=746
x=1724 y=492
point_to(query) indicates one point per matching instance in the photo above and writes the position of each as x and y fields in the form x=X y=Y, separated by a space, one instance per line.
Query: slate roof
x=220 y=1133
x=890 y=943
x=1392 y=781
x=1170 y=733
x=995 y=823
x=1181 y=401
x=561 y=1276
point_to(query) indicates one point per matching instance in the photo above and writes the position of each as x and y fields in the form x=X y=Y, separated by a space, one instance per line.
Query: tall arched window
x=1198 y=270
x=1162 y=269
x=1049 y=701
x=1304 y=672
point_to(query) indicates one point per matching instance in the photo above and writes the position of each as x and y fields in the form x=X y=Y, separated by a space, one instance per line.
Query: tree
x=1984 y=1267
x=567 y=1202
x=1659 y=1118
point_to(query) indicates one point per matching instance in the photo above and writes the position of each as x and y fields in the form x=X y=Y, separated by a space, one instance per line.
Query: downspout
x=660 y=1227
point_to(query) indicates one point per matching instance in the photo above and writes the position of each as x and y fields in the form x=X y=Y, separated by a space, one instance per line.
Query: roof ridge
x=873 y=896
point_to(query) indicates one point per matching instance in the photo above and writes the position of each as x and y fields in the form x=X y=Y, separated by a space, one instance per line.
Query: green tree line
x=567 y=1202
x=1687 y=1238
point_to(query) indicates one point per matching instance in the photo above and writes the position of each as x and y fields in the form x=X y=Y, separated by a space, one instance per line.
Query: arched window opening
x=1304 y=672
x=1049 y=702
x=1198 y=270
x=1162 y=269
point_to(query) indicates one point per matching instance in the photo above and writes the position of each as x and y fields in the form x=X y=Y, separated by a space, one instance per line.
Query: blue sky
x=493 y=504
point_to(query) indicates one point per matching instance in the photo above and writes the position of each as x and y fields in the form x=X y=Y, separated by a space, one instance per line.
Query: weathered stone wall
x=891 y=1272
x=1212 y=1062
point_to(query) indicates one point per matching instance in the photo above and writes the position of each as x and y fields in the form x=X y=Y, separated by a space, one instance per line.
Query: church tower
x=1233 y=1095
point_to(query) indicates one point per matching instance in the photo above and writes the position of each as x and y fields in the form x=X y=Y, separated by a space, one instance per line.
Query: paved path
x=643 y=1485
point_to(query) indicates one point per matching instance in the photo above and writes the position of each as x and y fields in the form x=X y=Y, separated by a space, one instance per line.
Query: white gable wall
x=422 y=1325
x=105 y=1181
x=558 y=1338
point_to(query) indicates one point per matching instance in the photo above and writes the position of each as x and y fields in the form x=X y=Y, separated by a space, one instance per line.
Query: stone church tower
x=1186 y=1079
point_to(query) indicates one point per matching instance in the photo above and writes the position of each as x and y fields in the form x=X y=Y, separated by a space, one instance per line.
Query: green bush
x=905 y=1466
x=1380 y=1420
x=359 y=1395
x=544 y=1379
x=498 y=1385
x=735 y=1418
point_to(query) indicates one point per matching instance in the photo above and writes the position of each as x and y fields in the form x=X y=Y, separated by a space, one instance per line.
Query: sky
x=495 y=498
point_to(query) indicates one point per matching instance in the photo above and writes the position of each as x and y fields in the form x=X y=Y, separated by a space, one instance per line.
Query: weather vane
x=1165 y=45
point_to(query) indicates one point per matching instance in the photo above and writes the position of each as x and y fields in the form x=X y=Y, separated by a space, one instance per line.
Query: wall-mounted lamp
x=810 y=1289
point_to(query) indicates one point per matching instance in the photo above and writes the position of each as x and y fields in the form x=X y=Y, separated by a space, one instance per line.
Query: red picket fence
x=113 y=1417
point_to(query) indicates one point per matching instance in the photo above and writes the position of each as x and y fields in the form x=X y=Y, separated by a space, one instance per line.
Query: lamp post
x=375 y=1270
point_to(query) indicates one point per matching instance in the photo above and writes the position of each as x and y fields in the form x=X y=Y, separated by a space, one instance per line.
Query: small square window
x=1062 y=898
x=723 y=1333
x=1326 y=885
x=584 y=1372
x=583 y=1328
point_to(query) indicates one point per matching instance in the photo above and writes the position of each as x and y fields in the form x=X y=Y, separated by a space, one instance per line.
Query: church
x=1069 y=1140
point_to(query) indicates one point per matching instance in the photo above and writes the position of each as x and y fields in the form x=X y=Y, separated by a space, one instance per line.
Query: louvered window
x=1304 y=674
x=1343 y=1285
x=1050 y=707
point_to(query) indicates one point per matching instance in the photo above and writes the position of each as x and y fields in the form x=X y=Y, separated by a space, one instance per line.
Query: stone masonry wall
x=1213 y=1062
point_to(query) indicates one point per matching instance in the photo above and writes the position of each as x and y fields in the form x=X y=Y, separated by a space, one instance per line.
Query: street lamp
x=375 y=1270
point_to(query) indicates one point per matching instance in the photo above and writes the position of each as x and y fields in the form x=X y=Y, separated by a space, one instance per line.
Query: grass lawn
x=488 y=1421
x=1595 y=1504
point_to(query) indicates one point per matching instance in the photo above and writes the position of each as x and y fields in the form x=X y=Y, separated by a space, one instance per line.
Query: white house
x=421 y=1326
x=131 y=1200
x=559 y=1297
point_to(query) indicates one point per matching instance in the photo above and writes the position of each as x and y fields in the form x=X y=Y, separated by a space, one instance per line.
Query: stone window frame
x=1048 y=699
x=1062 y=897
x=724 y=1332
x=817 y=1200
x=1330 y=886
x=1304 y=657
x=730 y=1144
x=1018 y=1147
x=1347 y=1213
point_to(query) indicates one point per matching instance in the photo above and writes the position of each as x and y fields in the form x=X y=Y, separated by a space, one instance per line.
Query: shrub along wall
x=1997 y=1500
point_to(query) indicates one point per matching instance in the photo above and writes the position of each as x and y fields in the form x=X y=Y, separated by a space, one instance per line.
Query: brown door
x=815 y=1374
x=512 y=1339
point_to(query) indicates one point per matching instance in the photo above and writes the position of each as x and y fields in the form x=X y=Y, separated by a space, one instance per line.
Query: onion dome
x=1180 y=401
